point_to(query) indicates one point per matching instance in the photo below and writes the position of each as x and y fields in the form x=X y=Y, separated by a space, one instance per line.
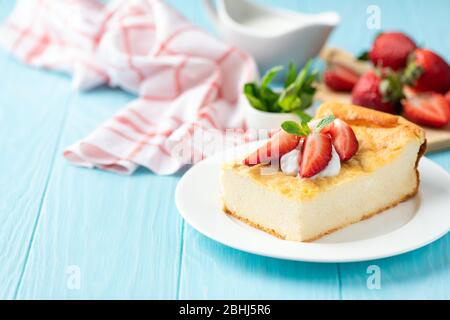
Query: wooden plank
x=421 y=274
x=120 y=234
x=213 y=271
x=32 y=109
x=29 y=131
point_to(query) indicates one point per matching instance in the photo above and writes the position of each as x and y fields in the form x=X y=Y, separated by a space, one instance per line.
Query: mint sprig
x=295 y=128
x=302 y=129
x=296 y=95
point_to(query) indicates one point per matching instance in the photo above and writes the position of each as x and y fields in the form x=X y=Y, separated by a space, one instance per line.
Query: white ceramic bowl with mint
x=257 y=119
x=267 y=107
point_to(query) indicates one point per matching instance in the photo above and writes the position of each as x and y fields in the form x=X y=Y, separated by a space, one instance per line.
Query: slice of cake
x=328 y=174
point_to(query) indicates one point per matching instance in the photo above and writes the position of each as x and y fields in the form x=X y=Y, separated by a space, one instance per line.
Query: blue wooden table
x=67 y=232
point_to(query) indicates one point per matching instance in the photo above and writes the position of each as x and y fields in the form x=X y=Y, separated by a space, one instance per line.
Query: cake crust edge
x=421 y=152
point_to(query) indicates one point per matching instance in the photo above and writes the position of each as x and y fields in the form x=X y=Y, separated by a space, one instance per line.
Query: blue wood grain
x=29 y=134
x=213 y=271
x=124 y=235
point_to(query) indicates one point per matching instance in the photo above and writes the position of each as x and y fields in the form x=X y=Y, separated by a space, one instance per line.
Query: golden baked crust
x=365 y=117
x=374 y=131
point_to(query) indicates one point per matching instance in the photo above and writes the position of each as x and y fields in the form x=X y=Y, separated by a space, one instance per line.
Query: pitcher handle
x=211 y=9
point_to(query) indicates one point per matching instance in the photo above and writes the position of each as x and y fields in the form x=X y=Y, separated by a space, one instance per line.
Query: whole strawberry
x=427 y=71
x=378 y=91
x=391 y=49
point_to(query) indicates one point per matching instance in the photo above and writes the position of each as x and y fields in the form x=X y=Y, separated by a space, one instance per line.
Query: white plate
x=406 y=227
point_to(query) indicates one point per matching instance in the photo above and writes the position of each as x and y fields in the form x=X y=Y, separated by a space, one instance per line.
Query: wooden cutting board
x=437 y=139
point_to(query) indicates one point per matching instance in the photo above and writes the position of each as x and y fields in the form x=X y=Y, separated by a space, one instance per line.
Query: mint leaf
x=289 y=101
x=303 y=75
x=291 y=74
x=250 y=91
x=293 y=127
x=307 y=100
x=308 y=85
x=270 y=74
x=270 y=98
x=324 y=122
x=256 y=103
x=297 y=94
x=305 y=127
x=304 y=117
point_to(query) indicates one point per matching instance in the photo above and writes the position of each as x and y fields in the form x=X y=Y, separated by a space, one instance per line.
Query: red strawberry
x=391 y=49
x=340 y=78
x=427 y=71
x=316 y=154
x=280 y=144
x=344 y=139
x=428 y=109
x=447 y=97
x=377 y=92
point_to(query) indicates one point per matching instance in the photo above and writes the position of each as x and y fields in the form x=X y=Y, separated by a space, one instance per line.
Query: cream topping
x=289 y=162
x=333 y=168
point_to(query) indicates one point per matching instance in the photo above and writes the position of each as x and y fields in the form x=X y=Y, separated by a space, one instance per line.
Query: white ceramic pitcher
x=273 y=36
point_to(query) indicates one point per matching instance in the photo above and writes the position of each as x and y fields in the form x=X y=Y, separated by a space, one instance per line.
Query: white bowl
x=257 y=119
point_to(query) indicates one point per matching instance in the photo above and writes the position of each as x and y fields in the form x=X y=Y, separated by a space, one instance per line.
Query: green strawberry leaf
x=363 y=56
x=391 y=87
x=411 y=73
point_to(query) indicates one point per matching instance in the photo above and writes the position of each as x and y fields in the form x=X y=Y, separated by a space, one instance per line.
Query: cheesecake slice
x=381 y=174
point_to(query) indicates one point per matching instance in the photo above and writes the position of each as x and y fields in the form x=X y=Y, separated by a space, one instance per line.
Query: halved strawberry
x=428 y=109
x=316 y=154
x=340 y=78
x=343 y=137
x=280 y=144
x=447 y=97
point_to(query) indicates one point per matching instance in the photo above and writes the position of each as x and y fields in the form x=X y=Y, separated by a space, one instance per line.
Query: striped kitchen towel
x=187 y=82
